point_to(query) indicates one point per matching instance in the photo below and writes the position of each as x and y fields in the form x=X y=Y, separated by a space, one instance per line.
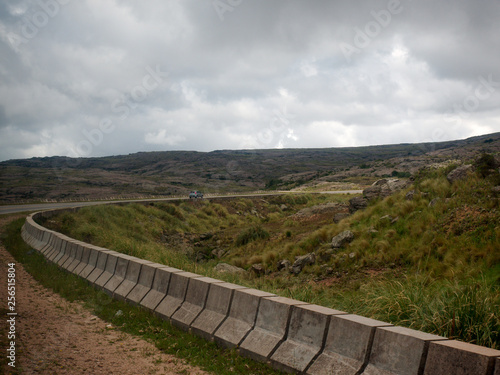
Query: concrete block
x=497 y=367
x=305 y=337
x=131 y=278
x=119 y=275
x=398 y=350
x=77 y=258
x=84 y=262
x=216 y=310
x=144 y=283
x=348 y=345
x=460 y=358
x=62 y=251
x=160 y=287
x=49 y=246
x=70 y=255
x=270 y=327
x=176 y=294
x=196 y=296
x=241 y=318
x=100 y=266
x=56 y=248
x=109 y=270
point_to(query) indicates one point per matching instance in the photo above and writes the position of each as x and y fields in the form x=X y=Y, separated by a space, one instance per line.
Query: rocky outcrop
x=384 y=187
x=322 y=209
x=302 y=261
x=459 y=173
x=342 y=239
x=357 y=203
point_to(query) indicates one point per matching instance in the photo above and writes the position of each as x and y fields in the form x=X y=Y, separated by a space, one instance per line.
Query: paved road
x=50 y=206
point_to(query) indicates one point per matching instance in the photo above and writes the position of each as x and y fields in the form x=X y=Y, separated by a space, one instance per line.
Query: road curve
x=11 y=209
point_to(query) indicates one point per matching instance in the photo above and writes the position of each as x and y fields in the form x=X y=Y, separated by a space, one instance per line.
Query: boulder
x=258 y=269
x=342 y=239
x=302 y=261
x=357 y=203
x=410 y=195
x=227 y=268
x=283 y=264
x=383 y=188
x=459 y=173
x=338 y=217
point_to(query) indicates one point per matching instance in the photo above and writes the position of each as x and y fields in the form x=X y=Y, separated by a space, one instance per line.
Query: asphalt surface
x=11 y=209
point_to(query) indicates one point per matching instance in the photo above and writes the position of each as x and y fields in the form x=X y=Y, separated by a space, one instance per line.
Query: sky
x=87 y=78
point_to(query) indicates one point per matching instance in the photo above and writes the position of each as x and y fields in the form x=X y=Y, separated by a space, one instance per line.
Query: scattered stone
x=283 y=264
x=459 y=173
x=119 y=313
x=206 y=236
x=357 y=203
x=227 y=268
x=352 y=255
x=322 y=209
x=372 y=230
x=302 y=261
x=410 y=195
x=327 y=269
x=339 y=216
x=258 y=269
x=433 y=202
x=283 y=207
x=386 y=217
x=219 y=253
x=342 y=239
x=383 y=188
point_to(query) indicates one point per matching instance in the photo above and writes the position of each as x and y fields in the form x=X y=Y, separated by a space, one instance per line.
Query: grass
x=432 y=267
x=133 y=320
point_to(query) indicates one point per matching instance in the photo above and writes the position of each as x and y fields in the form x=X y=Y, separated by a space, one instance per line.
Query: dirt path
x=55 y=336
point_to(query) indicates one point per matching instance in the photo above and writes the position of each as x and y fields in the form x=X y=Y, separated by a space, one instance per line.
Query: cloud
x=263 y=75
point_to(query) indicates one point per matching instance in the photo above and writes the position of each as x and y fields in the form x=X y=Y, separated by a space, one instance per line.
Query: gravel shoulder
x=54 y=336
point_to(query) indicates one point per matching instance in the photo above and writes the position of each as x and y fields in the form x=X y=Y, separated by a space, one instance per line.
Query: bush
x=251 y=234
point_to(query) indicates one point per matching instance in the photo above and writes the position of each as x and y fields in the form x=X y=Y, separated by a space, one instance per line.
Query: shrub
x=251 y=234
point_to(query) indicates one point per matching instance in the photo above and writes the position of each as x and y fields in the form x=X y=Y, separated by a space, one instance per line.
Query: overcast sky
x=103 y=77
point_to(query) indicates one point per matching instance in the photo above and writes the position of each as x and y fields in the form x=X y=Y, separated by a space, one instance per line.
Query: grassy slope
x=435 y=269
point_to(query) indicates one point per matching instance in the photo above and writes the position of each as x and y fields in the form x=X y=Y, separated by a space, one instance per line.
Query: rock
x=322 y=209
x=283 y=207
x=383 y=188
x=340 y=216
x=352 y=255
x=227 y=268
x=357 y=203
x=302 y=261
x=258 y=269
x=219 y=253
x=459 y=173
x=206 y=236
x=496 y=190
x=410 y=195
x=433 y=202
x=342 y=239
x=283 y=264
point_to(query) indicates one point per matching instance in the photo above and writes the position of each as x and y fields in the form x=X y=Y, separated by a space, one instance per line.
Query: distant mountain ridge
x=177 y=172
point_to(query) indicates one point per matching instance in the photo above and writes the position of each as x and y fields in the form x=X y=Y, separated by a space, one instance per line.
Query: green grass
x=429 y=267
x=134 y=320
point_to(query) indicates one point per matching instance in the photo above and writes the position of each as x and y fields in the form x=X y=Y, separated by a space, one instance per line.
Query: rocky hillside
x=177 y=172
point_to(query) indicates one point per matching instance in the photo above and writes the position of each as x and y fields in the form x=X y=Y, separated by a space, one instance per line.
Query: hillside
x=177 y=172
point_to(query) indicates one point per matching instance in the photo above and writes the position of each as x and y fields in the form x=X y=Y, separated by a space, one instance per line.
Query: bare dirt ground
x=54 y=336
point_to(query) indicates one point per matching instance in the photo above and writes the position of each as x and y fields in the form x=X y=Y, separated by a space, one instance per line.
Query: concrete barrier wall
x=291 y=335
